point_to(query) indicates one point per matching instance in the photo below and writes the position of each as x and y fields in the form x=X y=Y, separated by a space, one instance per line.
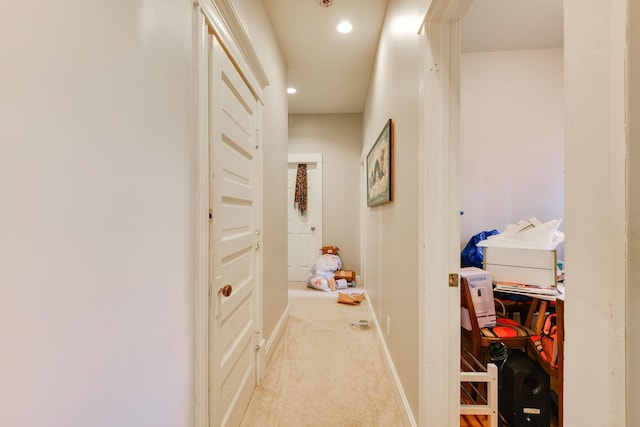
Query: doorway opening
x=304 y=225
x=512 y=165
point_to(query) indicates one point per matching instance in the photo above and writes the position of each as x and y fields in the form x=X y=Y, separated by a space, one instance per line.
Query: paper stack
x=529 y=290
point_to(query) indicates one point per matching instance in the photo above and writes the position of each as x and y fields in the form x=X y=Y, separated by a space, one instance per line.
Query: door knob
x=226 y=290
x=313 y=229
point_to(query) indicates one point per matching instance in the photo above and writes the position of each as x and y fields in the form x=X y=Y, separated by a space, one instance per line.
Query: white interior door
x=304 y=231
x=233 y=194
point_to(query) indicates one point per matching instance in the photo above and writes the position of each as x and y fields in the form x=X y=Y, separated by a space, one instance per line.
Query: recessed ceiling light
x=291 y=90
x=344 y=27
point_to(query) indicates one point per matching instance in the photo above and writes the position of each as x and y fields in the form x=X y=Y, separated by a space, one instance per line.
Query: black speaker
x=524 y=397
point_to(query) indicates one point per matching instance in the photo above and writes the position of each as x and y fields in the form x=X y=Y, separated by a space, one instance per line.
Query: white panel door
x=304 y=231
x=234 y=187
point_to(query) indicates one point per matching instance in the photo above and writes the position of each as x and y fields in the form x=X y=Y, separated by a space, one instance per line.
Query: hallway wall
x=338 y=137
x=391 y=230
x=96 y=246
x=511 y=139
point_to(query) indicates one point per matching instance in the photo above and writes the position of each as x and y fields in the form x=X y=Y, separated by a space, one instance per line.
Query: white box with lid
x=533 y=267
x=481 y=290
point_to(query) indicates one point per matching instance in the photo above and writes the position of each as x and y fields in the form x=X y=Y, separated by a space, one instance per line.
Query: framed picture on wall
x=380 y=168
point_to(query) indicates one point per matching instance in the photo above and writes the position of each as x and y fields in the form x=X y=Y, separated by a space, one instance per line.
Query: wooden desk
x=539 y=305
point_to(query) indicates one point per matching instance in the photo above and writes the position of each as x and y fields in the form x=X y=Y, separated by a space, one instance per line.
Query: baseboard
x=275 y=336
x=401 y=398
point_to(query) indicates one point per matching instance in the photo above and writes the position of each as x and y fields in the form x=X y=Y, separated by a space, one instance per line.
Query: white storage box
x=534 y=267
x=481 y=290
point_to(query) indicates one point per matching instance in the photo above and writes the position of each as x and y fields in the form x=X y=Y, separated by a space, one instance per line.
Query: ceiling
x=492 y=25
x=331 y=71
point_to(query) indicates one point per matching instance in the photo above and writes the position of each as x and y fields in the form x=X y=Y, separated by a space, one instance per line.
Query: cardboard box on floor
x=348 y=275
x=481 y=290
x=332 y=250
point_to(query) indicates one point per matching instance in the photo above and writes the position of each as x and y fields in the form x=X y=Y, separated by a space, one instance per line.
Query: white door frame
x=216 y=17
x=439 y=222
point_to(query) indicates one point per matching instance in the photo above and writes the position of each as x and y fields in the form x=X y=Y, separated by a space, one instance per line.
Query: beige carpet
x=324 y=372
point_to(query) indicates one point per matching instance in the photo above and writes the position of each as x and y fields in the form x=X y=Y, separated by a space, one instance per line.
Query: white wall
x=512 y=139
x=96 y=171
x=274 y=246
x=596 y=206
x=391 y=230
x=339 y=138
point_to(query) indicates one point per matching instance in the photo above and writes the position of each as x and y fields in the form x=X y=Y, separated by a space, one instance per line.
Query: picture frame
x=380 y=168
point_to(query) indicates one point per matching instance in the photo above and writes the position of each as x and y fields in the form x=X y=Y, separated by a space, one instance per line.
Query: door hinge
x=258 y=241
x=210 y=215
x=453 y=280
x=259 y=340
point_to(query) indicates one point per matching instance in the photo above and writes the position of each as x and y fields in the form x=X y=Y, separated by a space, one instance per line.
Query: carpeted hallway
x=324 y=371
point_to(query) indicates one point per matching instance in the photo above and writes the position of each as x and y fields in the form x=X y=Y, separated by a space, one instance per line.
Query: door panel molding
x=234 y=189
x=217 y=18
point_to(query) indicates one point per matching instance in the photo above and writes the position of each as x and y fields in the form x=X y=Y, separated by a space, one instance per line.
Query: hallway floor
x=324 y=370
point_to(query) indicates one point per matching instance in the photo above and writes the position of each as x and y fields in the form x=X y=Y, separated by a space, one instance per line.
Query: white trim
x=259 y=230
x=305 y=158
x=226 y=25
x=598 y=198
x=201 y=225
x=401 y=398
x=274 y=339
x=363 y=234
x=445 y=11
x=439 y=222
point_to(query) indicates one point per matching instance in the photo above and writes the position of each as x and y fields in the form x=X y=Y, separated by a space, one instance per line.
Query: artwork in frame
x=380 y=168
